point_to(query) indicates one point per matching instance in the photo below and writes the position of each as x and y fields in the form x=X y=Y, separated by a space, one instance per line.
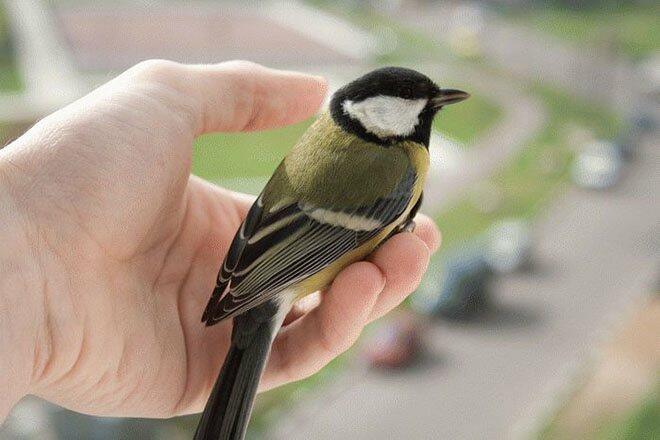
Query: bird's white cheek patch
x=386 y=116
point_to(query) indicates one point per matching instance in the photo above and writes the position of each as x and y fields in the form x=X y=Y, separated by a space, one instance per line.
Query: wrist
x=21 y=302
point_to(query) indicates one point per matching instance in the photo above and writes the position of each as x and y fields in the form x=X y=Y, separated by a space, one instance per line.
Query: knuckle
x=243 y=72
x=327 y=341
x=328 y=337
x=243 y=65
x=158 y=70
x=168 y=83
x=247 y=77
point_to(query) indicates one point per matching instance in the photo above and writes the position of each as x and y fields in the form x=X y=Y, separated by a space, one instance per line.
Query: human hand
x=116 y=248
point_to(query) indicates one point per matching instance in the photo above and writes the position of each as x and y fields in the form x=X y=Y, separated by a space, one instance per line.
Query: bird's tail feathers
x=228 y=409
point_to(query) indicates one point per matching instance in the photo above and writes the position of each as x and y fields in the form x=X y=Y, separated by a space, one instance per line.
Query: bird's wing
x=274 y=250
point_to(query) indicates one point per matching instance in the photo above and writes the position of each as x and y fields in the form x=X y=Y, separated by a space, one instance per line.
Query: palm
x=138 y=242
x=138 y=214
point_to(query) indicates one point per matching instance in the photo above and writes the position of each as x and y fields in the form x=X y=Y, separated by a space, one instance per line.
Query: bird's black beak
x=448 y=96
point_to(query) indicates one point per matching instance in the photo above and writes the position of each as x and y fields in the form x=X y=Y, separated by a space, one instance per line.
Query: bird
x=353 y=179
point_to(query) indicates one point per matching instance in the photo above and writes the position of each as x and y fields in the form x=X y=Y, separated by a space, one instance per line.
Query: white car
x=509 y=245
x=598 y=166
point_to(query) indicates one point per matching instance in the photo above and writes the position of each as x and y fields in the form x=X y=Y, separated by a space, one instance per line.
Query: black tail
x=228 y=409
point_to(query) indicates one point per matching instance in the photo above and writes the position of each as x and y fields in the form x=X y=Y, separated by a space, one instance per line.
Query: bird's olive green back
x=329 y=167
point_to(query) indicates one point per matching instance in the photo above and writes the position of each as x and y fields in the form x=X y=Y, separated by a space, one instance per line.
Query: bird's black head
x=391 y=104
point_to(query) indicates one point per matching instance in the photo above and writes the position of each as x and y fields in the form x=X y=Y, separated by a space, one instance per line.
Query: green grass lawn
x=236 y=159
x=10 y=80
x=5 y=134
x=634 y=29
x=466 y=121
x=642 y=423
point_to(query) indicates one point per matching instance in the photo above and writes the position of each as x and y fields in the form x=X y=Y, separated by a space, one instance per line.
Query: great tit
x=354 y=178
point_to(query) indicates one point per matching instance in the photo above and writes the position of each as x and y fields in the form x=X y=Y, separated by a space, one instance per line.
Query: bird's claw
x=409 y=226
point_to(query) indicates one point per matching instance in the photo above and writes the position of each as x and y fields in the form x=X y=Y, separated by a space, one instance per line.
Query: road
x=597 y=253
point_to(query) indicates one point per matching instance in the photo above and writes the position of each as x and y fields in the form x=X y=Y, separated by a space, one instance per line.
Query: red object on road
x=396 y=344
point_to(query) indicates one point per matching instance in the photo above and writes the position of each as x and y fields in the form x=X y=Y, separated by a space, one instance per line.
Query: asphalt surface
x=597 y=253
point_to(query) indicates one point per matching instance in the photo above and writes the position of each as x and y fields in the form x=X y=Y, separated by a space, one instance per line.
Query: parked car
x=459 y=288
x=598 y=166
x=509 y=246
x=396 y=343
x=643 y=121
x=627 y=144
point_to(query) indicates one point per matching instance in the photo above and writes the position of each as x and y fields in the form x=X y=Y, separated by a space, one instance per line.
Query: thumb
x=237 y=95
x=243 y=96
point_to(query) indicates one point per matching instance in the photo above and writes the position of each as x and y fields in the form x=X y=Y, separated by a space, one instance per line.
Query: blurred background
x=540 y=317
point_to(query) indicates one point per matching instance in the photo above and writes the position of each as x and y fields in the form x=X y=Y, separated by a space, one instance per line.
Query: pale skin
x=110 y=248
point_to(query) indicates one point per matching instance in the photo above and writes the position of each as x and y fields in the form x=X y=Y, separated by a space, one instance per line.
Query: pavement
x=597 y=254
x=113 y=36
